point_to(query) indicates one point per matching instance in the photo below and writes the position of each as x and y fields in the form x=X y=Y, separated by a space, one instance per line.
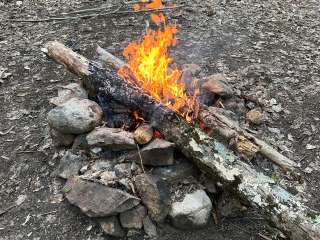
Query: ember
x=150 y=64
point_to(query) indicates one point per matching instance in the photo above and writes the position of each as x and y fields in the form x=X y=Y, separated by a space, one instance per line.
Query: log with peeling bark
x=246 y=144
x=282 y=208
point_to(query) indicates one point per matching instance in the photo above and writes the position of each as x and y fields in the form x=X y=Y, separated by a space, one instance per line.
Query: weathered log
x=247 y=145
x=220 y=124
x=282 y=208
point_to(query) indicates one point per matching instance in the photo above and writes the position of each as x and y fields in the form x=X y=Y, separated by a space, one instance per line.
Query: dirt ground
x=269 y=49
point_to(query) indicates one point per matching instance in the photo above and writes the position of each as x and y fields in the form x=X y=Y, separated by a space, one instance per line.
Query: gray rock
x=65 y=93
x=97 y=200
x=149 y=227
x=61 y=140
x=193 y=212
x=154 y=194
x=111 y=226
x=133 y=218
x=123 y=170
x=175 y=173
x=75 y=116
x=157 y=153
x=70 y=165
x=217 y=84
x=111 y=138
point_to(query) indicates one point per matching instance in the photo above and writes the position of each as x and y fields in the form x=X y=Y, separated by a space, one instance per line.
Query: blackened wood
x=211 y=156
x=247 y=144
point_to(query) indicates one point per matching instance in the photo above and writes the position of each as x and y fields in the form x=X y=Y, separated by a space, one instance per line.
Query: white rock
x=76 y=116
x=193 y=211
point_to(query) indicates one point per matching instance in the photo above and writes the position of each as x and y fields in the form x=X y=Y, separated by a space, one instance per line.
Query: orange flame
x=150 y=64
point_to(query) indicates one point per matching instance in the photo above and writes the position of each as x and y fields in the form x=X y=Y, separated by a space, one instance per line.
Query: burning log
x=211 y=156
x=248 y=146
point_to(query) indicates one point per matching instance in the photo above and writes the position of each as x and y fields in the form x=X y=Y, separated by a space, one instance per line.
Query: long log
x=247 y=145
x=282 y=208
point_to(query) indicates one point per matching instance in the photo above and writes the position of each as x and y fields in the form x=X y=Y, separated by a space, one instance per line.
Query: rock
x=157 y=153
x=108 y=176
x=111 y=138
x=97 y=200
x=154 y=194
x=143 y=134
x=133 y=218
x=61 y=140
x=229 y=206
x=194 y=211
x=102 y=165
x=123 y=170
x=75 y=116
x=111 y=226
x=254 y=116
x=175 y=173
x=149 y=228
x=70 y=165
x=217 y=84
x=65 y=93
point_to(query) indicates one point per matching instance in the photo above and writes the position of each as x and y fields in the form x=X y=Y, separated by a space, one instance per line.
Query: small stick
x=7 y=209
x=6 y=132
x=264 y=237
x=49 y=19
x=47 y=213
x=141 y=161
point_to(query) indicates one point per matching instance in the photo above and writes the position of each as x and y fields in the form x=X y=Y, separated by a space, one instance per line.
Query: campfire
x=144 y=144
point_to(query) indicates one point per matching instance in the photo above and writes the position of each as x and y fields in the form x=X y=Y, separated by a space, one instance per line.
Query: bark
x=211 y=156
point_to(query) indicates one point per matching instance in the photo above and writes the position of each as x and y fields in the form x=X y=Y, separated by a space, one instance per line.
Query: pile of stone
x=129 y=181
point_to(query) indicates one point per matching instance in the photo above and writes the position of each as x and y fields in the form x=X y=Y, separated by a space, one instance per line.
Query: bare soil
x=269 y=49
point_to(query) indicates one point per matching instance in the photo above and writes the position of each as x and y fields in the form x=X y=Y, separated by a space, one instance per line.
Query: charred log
x=247 y=145
x=281 y=207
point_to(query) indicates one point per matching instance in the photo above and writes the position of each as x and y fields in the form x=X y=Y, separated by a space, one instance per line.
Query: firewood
x=247 y=144
x=282 y=208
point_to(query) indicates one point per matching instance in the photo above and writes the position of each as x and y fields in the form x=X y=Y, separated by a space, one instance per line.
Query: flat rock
x=175 y=173
x=134 y=217
x=193 y=212
x=97 y=200
x=217 y=84
x=70 y=165
x=157 y=153
x=75 y=116
x=65 y=93
x=111 y=138
x=111 y=226
x=154 y=194
x=60 y=139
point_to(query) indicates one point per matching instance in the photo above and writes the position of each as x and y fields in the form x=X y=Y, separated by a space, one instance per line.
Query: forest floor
x=270 y=49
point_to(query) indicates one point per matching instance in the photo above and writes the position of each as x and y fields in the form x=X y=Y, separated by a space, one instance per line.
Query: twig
x=264 y=237
x=49 y=19
x=7 y=209
x=86 y=10
x=6 y=132
x=141 y=161
x=47 y=213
